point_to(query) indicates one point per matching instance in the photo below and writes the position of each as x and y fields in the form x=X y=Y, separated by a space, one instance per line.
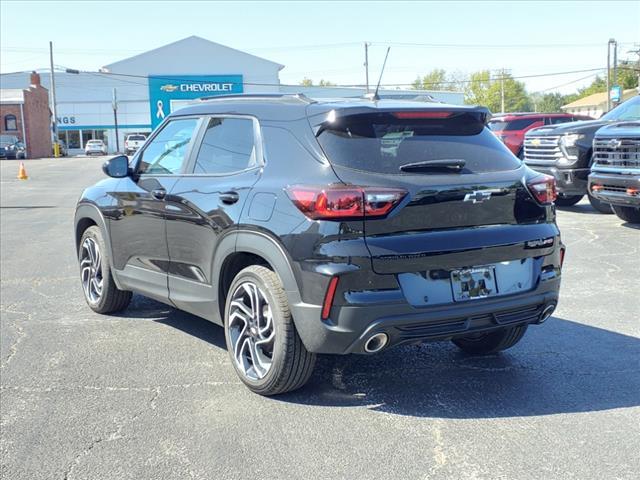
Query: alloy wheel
x=251 y=330
x=91 y=270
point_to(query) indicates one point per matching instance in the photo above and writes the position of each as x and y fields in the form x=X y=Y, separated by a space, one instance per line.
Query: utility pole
x=502 y=92
x=637 y=52
x=612 y=41
x=366 y=65
x=503 y=74
x=114 y=104
x=615 y=66
x=54 y=109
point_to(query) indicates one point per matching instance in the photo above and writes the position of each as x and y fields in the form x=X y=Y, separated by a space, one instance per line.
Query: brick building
x=25 y=113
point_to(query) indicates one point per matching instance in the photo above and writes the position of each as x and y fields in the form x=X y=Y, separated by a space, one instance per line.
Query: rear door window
x=382 y=143
x=519 y=124
x=557 y=120
x=228 y=146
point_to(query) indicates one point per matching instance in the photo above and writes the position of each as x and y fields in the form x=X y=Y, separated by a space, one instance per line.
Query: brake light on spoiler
x=344 y=202
x=422 y=114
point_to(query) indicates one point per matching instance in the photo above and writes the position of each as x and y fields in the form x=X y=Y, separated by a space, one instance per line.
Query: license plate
x=473 y=283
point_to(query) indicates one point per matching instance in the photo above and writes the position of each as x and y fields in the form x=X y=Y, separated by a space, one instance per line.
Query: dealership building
x=147 y=87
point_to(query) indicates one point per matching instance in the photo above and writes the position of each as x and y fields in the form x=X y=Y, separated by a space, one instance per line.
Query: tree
x=439 y=79
x=307 y=82
x=434 y=80
x=485 y=89
x=548 y=102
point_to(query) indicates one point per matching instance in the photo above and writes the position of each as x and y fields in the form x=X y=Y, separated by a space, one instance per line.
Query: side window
x=10 y=122
x=166 y=153
x=227 y=146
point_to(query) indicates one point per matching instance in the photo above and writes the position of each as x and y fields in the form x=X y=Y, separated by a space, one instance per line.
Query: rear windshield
x=94 y=142
x=382 y=143
x=136 y=138
x=502 y=126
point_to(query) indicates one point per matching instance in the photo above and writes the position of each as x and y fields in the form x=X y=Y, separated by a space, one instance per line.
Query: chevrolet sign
x=169 y=92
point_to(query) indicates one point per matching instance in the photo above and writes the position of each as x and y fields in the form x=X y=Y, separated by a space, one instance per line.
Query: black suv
x=615 y=172
x=565 y=152
x=335 y=227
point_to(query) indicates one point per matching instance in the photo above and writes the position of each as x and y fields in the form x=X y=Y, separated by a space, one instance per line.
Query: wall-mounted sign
x=66 y=120
x=169 y=92
x=616 y=93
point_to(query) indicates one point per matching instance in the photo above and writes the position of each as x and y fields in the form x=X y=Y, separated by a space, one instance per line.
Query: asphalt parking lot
x=150 y=393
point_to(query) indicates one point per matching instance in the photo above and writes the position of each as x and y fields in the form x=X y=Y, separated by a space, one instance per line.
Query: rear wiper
x=453 y=164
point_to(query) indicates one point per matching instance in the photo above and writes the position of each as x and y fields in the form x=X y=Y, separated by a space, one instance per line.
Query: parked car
x=95 y=147
x=511 y=127
x=132 y=143
x=12 y=147
x=296 y=227
x=62 y=148
x=615 y=172
x=565 y=151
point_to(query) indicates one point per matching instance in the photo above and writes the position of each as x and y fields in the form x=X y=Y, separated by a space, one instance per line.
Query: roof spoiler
x=328 y=118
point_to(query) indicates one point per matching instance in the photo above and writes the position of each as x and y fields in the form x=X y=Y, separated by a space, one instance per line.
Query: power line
x=103 y=51
x=453 y=82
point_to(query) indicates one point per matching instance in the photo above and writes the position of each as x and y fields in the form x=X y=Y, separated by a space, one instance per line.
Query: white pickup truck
x=132 y=143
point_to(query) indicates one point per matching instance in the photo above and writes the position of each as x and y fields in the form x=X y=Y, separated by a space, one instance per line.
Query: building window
x=10 y=122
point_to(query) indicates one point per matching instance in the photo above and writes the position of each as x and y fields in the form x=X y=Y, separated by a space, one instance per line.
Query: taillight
x=562 y=252
x=343 y=202
x=328 y=298
x=543 y=189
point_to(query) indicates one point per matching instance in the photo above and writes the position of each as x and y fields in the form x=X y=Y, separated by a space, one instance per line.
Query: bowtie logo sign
x=160 y=112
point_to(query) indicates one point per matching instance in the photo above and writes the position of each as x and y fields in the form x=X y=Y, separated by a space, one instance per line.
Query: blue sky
x=325 y=39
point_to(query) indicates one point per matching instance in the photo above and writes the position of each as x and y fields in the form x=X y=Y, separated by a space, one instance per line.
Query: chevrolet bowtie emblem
x=168 y=88
x=614 y=143
x=535 y=141
x=477 y=196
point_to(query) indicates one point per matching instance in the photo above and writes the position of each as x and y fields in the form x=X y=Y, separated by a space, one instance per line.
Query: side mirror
x=117 y=167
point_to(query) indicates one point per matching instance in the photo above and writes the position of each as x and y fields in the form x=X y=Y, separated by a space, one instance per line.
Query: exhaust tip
x=376 y=342
x=547 y=312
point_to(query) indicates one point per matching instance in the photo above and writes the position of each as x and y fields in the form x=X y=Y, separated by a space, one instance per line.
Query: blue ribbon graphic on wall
x=168 y=93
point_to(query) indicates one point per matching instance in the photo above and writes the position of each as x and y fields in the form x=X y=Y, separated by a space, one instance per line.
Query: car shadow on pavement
x=559 y=367
x=635 y=226
x=581 y=208
x=145 y=308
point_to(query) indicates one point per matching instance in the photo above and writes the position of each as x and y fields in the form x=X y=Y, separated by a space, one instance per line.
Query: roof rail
x=299 y=96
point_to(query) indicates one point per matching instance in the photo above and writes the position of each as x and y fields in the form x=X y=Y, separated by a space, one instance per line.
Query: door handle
x=159 y=193
x=229 y=197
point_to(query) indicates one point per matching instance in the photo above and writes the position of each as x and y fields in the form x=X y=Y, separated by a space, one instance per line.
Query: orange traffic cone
x=22 y=172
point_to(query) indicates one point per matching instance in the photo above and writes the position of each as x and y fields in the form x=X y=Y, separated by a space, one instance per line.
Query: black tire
x=628 y=214
x=568 y=201
x=111 y=299
x=492 y=342
x=292 y=364
x=601 y=207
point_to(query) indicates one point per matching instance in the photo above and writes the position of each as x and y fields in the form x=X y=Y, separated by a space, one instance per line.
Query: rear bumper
x=351 y=326
x=614 y=188
x=569 y=181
